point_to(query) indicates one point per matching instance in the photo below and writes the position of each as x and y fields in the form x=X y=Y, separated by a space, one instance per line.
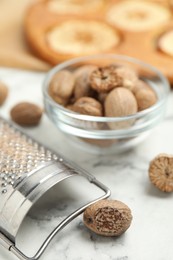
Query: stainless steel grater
x=27 y=170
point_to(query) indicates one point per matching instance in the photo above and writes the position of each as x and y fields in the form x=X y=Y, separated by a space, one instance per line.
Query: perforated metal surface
x=18 y=155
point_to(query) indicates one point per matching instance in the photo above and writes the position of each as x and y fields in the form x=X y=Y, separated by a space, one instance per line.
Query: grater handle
x=11 y=246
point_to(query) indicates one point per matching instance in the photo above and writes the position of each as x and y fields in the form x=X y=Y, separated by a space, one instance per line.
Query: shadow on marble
x=152 y=191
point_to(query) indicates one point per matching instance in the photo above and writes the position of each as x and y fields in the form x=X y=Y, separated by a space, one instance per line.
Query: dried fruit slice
x=75 y=6
x=108 y=217
x=138 y=15
x=165 y=43
x=161 y=172
x=78 y=37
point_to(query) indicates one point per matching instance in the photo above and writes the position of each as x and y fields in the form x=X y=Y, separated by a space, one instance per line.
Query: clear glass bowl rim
x=74 y=115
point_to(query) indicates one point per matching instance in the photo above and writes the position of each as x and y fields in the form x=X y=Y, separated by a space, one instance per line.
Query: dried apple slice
x=138 y=15
x=165 y=43
x=78 y=37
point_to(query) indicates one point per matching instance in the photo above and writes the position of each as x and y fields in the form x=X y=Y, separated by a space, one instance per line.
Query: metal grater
x=27 y=170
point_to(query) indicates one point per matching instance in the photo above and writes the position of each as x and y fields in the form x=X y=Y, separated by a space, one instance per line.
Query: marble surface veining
x=151 y=233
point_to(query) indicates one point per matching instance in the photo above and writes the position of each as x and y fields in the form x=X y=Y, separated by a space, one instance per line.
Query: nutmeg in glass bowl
x=105 y=103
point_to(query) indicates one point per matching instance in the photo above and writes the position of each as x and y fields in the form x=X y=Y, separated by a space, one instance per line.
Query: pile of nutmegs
x=109 y=91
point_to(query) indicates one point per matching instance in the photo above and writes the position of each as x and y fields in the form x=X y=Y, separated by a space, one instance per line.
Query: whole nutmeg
x=145 y=95
x=104 y=79
x=161 y=172
x=99 y=143
x=120 y=102
x=85 y=69
x=61 y=86
x=128 y=77
x=108 y=217
x=82 y=86
x=141 y=85
x=88 y=106
x=26 y=114
x=3 y=93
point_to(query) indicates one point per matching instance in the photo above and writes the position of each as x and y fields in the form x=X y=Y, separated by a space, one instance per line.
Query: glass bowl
x=93 y=133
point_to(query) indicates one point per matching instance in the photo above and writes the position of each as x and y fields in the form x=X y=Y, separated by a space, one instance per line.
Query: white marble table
x=150 y=236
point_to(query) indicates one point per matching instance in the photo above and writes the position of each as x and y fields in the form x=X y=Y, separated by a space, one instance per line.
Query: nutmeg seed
x=104 y=79
x=108 y=217
x=26 y=114
x=128 y=77
x=120 y=102
x=161 y=172
x=145 y=95
x=61 y=86
x=85 y=69
x=82 y=84
x=88 y=106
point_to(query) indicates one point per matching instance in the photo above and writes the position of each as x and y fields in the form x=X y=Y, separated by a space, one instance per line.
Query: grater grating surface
x=19 y=155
